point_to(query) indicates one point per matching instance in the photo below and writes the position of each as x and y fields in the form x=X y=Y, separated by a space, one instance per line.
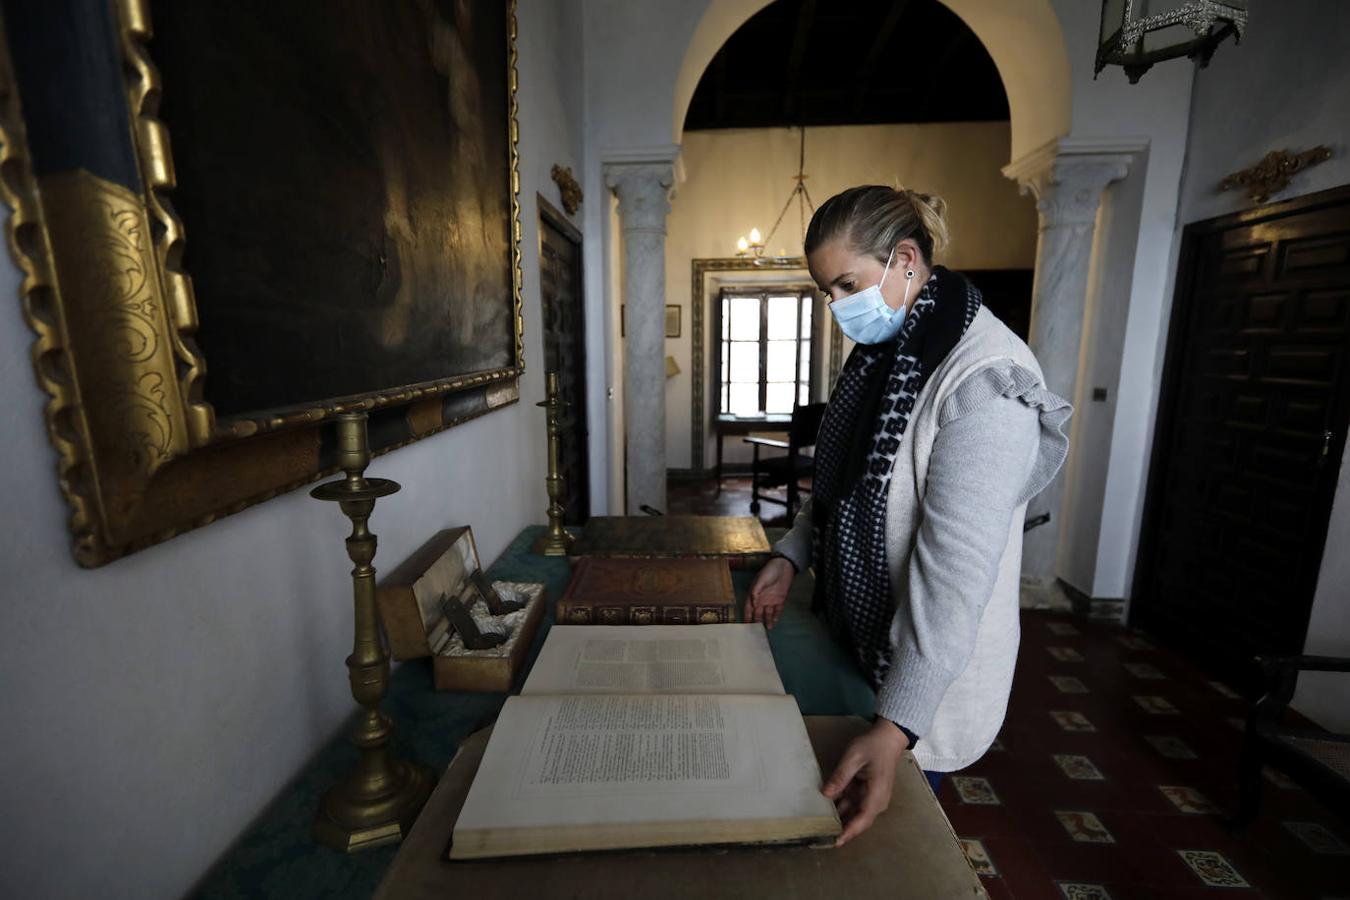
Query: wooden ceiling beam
x=944 y=60
x=806 y=14
x=875 y=51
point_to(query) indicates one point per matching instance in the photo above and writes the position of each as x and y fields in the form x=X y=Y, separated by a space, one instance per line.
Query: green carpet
x=276 y=858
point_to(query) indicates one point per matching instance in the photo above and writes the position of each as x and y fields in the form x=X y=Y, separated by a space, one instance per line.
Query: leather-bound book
x=648 y=592
x=740 y=540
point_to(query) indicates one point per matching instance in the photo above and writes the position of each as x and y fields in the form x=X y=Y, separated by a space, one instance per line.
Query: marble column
x=1068 y=179
x=644 y=193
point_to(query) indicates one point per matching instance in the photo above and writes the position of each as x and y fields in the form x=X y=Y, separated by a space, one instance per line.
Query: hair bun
x=931 y=210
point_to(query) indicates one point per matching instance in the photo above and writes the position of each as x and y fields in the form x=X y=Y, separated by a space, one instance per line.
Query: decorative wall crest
x=1274 y=172
x=568 y=188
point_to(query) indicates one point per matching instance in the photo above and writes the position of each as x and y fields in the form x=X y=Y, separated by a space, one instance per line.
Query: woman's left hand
x=861 y=784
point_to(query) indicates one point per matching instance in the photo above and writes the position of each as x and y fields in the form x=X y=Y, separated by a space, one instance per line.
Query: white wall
x=736 y=179
x=1130 y=300
x=154 y=706
x=1286 y=86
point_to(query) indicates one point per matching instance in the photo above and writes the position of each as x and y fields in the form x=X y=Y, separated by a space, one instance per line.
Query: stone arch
x=1022 y=36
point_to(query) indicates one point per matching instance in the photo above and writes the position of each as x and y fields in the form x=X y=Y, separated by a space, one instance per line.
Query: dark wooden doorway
x=565 y=351
x=1251 y=429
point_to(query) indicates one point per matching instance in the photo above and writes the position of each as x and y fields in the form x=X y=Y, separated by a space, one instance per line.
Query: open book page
x=592 y=772
x=640 y=659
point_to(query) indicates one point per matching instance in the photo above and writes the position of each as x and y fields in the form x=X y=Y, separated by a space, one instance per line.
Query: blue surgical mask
x=865 y=317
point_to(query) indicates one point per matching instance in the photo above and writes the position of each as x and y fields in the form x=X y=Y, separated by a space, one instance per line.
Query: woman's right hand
x=769 y=592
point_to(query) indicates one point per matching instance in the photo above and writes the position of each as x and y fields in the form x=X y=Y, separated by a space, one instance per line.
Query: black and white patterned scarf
x=868 y=414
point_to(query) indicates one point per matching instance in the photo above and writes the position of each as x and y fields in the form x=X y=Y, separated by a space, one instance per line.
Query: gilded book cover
x=648 y=592
x=738 y=539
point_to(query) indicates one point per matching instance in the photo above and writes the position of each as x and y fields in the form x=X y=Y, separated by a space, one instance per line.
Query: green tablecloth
x=276 y=856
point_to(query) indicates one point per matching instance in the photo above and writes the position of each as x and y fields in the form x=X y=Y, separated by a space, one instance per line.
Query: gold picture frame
x=142 y=456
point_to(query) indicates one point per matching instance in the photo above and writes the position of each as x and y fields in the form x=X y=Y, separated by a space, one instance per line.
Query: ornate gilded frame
x=142 y=456
x=700 y=269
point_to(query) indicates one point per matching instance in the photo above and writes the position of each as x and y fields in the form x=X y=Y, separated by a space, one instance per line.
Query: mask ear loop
x=886 y=271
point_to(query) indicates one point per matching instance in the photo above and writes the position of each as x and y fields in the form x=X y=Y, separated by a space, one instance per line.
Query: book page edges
x=484 y=843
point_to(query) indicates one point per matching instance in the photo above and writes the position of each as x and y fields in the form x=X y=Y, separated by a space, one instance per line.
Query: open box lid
x=409 y=597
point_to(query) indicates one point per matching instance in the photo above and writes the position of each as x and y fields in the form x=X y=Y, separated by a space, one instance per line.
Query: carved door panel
x=1251 y=431
x=565 y=351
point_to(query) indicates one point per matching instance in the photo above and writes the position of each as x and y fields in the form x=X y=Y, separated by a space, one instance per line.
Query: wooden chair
x=786 y=471
x=1318 y=760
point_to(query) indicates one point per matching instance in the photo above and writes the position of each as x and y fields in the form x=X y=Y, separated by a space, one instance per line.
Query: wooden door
x=1251 y=430
x=565 y=351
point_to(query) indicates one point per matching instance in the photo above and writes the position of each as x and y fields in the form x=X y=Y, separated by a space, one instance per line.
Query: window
x=765 y=353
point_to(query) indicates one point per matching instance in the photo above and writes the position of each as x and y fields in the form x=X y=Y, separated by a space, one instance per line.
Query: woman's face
x=839 y=271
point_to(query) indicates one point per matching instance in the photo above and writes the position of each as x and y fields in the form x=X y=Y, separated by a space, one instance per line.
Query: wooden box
x=409 y=603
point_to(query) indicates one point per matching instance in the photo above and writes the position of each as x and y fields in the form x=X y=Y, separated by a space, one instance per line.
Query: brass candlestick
x=377 y=802
x=556 y=540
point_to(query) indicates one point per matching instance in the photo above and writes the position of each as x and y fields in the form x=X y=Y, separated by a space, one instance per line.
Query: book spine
x=580 y=614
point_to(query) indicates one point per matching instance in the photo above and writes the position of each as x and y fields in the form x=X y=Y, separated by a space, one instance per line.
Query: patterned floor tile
x=1155 y=705
x=1084 y=827
x=1225 y=690
x=1031 y=847
x=1170 y=747
x=1188 y=800
x=1079 y=768
x=1067 y=684
x=1064 y=654
x=1069 y=720
x=1077 y=890
x=979 y=858
x=1317 y=838
x=1212 y=868
x=1062 y=629
x=1145 y=671
x=975 y=791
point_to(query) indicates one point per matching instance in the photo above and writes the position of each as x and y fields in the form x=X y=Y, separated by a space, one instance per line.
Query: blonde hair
x=873 y=218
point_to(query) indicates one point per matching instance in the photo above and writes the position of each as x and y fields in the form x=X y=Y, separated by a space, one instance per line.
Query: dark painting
x=344 y=183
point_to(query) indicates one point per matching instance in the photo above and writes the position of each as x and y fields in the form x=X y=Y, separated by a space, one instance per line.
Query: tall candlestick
x=556 y=540
x=377 y=802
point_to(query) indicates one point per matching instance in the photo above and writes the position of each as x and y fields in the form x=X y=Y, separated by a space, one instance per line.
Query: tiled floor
x=1112 y=777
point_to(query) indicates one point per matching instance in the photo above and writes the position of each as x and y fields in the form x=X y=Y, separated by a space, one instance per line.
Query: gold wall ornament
x=142 y=456
x=376 y=803
x=1274 y=172
x=556 y=540
x=568 y=188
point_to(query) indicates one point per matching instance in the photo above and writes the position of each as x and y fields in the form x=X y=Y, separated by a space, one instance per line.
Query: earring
x=909 y=273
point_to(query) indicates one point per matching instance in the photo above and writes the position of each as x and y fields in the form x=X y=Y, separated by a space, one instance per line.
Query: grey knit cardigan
x=984 y=438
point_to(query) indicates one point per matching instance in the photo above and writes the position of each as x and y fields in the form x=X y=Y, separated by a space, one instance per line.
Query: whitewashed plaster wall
x=1286 y=86
x=1127 y=306
x=170 y=695
x=736 y=179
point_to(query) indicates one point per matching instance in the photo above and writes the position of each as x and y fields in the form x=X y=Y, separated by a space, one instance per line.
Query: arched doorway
x=1023 y=37
x=940 y=121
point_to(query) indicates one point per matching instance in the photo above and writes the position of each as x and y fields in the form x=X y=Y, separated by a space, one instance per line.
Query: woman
x=938 y=432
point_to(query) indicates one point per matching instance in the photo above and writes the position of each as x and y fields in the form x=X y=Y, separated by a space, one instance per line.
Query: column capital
x=644 y=190
x=1068 y=176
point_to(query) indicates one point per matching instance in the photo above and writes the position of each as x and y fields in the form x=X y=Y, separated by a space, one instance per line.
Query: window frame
x=762 y=293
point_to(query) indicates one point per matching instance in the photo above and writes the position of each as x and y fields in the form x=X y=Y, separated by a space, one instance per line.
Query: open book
x=630 y=736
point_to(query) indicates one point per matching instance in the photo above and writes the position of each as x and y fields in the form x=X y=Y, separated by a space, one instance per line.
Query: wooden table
x=910 y=852
x=725 y=425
